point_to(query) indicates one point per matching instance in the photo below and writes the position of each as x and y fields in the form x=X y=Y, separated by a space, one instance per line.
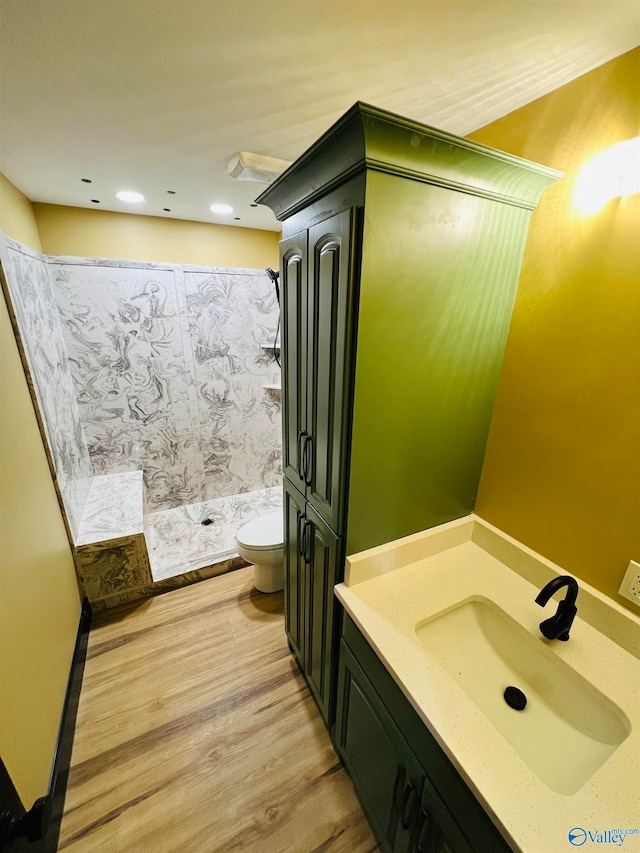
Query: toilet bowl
x=261 y=542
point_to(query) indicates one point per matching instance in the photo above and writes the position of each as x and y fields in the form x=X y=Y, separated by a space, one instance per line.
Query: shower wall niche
x=169 y=365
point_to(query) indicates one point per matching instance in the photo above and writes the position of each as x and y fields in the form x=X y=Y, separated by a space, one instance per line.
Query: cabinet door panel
x=293 y=267
x=322 y=570
x=442 y=846
x=294 y=571
x=386 y=775
x=370 y=757
x=330 y=289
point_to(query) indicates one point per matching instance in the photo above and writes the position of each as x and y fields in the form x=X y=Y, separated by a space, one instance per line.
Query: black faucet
x=557 y=627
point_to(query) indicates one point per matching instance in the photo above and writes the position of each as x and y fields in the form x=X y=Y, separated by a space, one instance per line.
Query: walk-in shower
x=165 y=369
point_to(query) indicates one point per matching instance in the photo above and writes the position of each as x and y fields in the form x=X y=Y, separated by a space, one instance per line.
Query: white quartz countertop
x=388 y=590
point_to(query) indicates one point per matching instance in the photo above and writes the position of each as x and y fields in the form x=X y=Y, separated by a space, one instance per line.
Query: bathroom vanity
x=436 y=626
x=412 y=795
x=398 y=268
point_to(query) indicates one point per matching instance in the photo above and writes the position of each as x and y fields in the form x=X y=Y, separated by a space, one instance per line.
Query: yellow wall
x=16 y=215
x=102 y=234
x=562 y=469
x=39 y=600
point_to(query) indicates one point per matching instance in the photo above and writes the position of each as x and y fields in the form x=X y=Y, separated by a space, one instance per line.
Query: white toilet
x=261 y=542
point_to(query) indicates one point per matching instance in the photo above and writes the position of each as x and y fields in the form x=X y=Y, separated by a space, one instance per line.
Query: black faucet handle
x=558 y=626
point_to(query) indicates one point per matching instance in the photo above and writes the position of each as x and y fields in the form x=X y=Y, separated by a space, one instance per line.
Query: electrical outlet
x=630 y=586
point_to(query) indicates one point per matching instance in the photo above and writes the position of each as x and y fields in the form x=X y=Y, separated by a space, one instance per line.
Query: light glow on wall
x=612 y=173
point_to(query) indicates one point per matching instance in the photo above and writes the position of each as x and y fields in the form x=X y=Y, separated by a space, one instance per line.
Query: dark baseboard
x=46 y=813
x=10 y=801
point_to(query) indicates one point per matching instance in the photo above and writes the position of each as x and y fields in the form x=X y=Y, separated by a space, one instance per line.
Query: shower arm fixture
x=274 y=275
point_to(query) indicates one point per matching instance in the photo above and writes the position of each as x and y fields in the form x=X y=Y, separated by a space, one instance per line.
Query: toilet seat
x=262 y=534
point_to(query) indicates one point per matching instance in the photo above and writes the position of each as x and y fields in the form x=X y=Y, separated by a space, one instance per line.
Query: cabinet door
x=294 y=570
x=322 y=549
x=331 y=294
x=293 y=289
x=450 y=819
x=386 y=775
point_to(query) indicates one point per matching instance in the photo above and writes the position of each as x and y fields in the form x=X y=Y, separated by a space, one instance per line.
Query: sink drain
x=515 y=698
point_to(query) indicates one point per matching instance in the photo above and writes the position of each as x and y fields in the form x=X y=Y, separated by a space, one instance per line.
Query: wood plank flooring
x=196 y=732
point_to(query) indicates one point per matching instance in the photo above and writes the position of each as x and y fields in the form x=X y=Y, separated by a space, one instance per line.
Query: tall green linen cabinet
x=399 y=264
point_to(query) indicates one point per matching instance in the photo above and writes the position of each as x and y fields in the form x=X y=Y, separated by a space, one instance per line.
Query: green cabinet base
x=312 y=556
x=413 y=797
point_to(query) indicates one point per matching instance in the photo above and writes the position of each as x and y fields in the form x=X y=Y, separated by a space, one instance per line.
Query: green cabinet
x=311 y=564
x=317 y=294
x=413 y=797
x=399 y=264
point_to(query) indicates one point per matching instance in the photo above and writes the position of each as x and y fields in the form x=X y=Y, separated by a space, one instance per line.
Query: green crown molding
x=368 y=138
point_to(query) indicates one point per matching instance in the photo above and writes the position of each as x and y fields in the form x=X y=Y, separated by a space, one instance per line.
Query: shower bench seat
x=110 y=549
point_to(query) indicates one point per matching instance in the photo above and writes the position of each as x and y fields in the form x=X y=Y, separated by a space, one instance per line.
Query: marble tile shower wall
x=169 y=372
x=37 y=317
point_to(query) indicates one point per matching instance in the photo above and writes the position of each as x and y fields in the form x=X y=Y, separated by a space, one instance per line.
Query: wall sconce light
x=612 y=173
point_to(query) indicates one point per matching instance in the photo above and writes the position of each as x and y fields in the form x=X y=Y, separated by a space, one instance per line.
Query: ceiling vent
x=245 y=166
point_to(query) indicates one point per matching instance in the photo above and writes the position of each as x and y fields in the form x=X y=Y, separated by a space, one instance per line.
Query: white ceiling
x=156 y=95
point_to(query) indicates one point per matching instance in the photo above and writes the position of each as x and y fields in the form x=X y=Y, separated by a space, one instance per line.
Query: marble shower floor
x=178 y=542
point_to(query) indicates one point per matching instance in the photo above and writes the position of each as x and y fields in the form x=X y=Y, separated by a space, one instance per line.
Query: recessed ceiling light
x=131 y=197
x=221 y=208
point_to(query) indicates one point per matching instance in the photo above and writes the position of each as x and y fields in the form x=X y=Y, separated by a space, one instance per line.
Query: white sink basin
x=568 y=728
